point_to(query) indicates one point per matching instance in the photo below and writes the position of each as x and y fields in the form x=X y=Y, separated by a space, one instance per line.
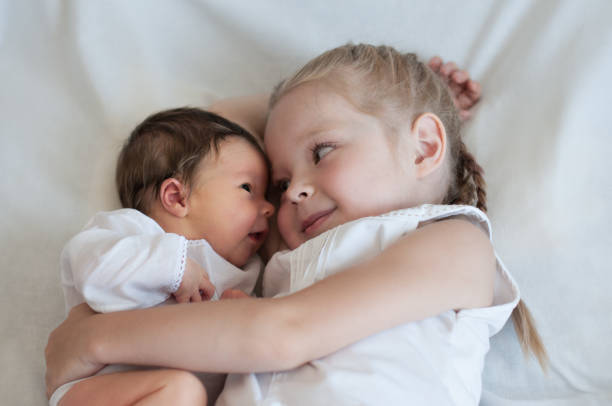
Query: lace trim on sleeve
x=180 y=270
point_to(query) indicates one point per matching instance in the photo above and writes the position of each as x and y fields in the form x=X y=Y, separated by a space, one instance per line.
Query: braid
x=470 y=186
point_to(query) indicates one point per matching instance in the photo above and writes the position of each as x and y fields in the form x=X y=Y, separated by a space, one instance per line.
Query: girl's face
x=333 y=163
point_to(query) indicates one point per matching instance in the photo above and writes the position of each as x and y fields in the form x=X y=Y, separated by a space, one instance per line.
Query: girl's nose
x=299 y=191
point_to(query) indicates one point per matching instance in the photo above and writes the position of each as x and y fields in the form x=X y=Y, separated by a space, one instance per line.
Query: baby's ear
x=173 y=197
x=430 y=142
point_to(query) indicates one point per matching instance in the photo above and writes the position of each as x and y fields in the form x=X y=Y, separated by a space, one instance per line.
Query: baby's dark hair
x=170 y=144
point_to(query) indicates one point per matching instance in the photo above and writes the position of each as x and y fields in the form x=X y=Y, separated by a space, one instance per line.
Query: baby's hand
x=464 y=90
x=233 y=294
x=195 y=285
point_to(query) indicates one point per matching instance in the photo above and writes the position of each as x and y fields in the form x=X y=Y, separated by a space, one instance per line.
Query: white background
x=77 y=76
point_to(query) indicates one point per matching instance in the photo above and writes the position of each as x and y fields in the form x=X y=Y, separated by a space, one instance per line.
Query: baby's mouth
x=258 y=236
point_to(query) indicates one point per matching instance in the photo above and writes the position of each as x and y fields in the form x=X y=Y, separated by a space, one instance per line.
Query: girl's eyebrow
x=323 y=127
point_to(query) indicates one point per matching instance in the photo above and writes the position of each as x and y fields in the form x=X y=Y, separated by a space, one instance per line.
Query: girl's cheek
x=284 y=223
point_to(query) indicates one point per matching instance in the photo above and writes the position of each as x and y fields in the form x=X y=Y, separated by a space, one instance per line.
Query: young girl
x=365 y=146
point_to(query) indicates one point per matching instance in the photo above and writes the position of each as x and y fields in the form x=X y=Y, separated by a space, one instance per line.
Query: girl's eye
x=282 y=185
x=320 y=150
x=246 y=186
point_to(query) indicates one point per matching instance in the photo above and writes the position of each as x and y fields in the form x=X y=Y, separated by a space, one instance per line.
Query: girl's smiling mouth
x=312 y=223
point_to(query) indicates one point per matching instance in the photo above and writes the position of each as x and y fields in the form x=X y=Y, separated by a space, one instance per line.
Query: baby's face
x=227 y=205
x=334 y=163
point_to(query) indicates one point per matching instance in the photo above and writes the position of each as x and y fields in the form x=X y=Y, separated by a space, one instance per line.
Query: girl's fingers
x=435 y=63
x=465 y=92
x=465 y=114
x=233 y=294
x=464 y=102
x=460 y=77
x=448 y=69
x=473 y=89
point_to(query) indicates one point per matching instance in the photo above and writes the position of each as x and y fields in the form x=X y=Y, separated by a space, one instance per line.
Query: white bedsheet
x=76 y=76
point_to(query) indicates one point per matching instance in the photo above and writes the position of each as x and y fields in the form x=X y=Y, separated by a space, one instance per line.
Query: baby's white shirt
x=124 y=260
x=437 y=361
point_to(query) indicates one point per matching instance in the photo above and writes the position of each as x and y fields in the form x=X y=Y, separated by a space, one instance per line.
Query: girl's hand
x=195 y=285
x=233 y=294
x=464 y=90
x=66 y=351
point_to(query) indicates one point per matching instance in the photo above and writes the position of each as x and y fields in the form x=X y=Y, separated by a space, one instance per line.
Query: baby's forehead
x=236 y=154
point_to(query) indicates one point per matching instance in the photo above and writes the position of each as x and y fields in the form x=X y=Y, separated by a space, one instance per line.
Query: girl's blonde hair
x=381 y=81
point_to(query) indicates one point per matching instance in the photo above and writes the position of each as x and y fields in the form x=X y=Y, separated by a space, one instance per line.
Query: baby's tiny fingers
x=196 y=297
x=207 y=289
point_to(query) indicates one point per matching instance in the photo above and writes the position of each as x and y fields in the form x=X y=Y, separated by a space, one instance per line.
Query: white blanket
x=77 y=76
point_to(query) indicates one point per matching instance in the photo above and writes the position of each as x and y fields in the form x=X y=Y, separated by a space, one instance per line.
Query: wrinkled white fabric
x=435 y=361
x=78 y=76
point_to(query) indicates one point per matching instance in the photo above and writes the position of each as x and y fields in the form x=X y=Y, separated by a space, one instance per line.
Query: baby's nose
x=267 y=209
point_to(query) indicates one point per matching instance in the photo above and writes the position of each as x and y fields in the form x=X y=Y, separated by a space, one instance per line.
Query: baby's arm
x=122 y=261
x=445 y=265
x=195 y=285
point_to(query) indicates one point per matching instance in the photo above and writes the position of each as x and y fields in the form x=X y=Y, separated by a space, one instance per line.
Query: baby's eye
x=246 y=186
x=320 y=150
x=282 y=185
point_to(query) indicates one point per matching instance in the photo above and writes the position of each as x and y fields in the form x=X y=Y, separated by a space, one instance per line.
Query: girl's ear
x=430 y=143
x=173 y=196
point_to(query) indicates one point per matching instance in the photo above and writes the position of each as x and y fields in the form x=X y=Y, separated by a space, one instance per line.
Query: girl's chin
x=297 y=240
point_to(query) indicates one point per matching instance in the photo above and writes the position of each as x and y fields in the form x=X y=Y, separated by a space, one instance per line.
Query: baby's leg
x=150 y=387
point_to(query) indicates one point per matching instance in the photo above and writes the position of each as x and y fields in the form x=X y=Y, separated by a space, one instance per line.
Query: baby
x=192 y=185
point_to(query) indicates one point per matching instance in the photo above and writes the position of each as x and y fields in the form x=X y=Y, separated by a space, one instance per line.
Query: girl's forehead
x=306 y=111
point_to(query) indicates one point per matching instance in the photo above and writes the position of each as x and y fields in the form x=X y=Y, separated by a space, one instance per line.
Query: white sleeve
x=124 y=260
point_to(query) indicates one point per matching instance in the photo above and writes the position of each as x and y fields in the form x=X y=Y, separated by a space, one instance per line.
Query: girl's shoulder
x=428 y=213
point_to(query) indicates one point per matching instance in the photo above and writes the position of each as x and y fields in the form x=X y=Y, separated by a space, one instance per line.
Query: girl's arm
x=444 y=265
x=250 y=112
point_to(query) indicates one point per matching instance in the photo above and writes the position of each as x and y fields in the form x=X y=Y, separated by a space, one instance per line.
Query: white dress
x=436 y=361
x=124 y=260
